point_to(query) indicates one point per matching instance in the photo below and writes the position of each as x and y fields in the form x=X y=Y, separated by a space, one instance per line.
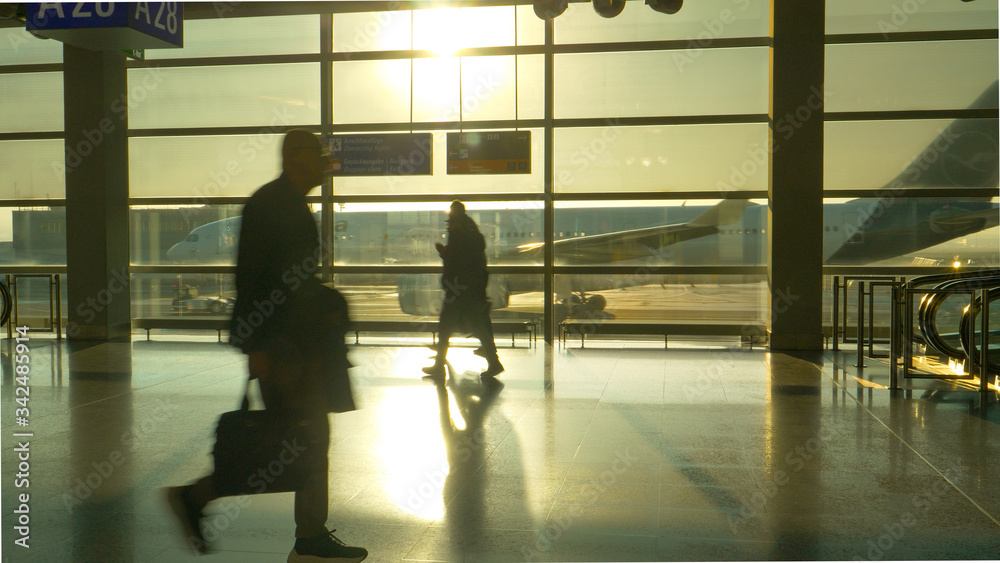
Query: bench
x=218 y=324
x=749 y=332
x=514 y=327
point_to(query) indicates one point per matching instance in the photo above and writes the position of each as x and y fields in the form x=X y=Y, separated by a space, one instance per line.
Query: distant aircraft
x=732 y=232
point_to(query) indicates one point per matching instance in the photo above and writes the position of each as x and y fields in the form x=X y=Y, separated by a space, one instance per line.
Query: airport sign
x=489 y=152
x=379 y=154
x=108 y=25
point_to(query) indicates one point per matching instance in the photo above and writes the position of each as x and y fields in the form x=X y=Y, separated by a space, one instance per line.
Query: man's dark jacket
x=277 y=261
x=464 y=261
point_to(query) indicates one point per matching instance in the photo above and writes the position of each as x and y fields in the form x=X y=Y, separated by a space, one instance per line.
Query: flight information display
x=489 y=152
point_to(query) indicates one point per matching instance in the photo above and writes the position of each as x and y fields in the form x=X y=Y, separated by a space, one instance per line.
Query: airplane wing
x=638 y=243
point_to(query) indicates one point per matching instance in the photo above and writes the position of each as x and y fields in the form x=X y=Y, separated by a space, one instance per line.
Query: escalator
x=8 y=303
x=944 y=316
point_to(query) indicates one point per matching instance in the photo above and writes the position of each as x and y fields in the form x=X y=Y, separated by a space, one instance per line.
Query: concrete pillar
x=795 y=190
x=97 y=259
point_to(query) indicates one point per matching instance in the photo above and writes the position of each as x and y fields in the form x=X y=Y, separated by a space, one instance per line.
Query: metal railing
x=55 y=303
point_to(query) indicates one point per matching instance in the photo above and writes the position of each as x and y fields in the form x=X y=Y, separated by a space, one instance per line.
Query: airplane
x=861 y=231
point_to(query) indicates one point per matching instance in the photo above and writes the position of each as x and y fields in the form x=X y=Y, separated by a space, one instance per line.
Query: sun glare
x=438 y=30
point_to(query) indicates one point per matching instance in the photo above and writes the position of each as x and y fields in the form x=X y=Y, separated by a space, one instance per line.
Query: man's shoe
x=492 y=369
x=325 y=547
x=179 y=499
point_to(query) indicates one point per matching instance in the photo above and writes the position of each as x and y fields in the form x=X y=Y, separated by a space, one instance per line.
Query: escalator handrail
x=971 y=349
x=8 y=303
x=935 y=279
x=930 y=303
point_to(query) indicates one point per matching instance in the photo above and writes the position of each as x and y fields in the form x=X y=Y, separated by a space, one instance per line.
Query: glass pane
x=371 y=31
x=435 y=89
x=738 y=303
x=225 y=165
x=933 y=153
x=900 y=231
x=442 y=183
x=224 y=96
x=18 y=47
x=636 y=84
x=657 y=233
x=196 y=296
x=661 y=158
x=31 y=102
x=704 y=21
x=530 y=29
x=405 y=233
x=488 y=88
x=446 y=30
x=203 y=234
x=417 y=297
x=238 y=37
x=911 y=76
x=371 y=91
x=530 y=92
x=33 y=236
x=33 y=169
x=892 y=16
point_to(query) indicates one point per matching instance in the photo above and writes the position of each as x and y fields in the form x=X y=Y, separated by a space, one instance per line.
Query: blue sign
x=379 y=154
x=109 y=25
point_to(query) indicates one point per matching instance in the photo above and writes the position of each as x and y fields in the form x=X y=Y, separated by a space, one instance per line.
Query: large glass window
x=417 y=297
x=893 y=16
x=932 y=153
x=405 y=233
x=275 y=95
x=192 y=235
x=193 y=296
x=651 y=83
x=239 y=37
x=892 y=230
x=616 y=158
x=34 y=169
x=740 y=301
x=650 y=234
x=31 y=102
x=441 y=89
x=21 y=48
x=33 y=236
x=921 y=75
x=702 y=22
x=203 y=166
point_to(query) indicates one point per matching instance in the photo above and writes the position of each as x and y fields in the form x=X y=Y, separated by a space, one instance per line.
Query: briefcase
x=260 y=452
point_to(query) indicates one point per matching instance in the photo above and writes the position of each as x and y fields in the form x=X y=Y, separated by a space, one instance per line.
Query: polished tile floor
x=616 y=452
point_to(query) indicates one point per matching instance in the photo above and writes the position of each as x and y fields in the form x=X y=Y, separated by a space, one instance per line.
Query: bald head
x=302 y=160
